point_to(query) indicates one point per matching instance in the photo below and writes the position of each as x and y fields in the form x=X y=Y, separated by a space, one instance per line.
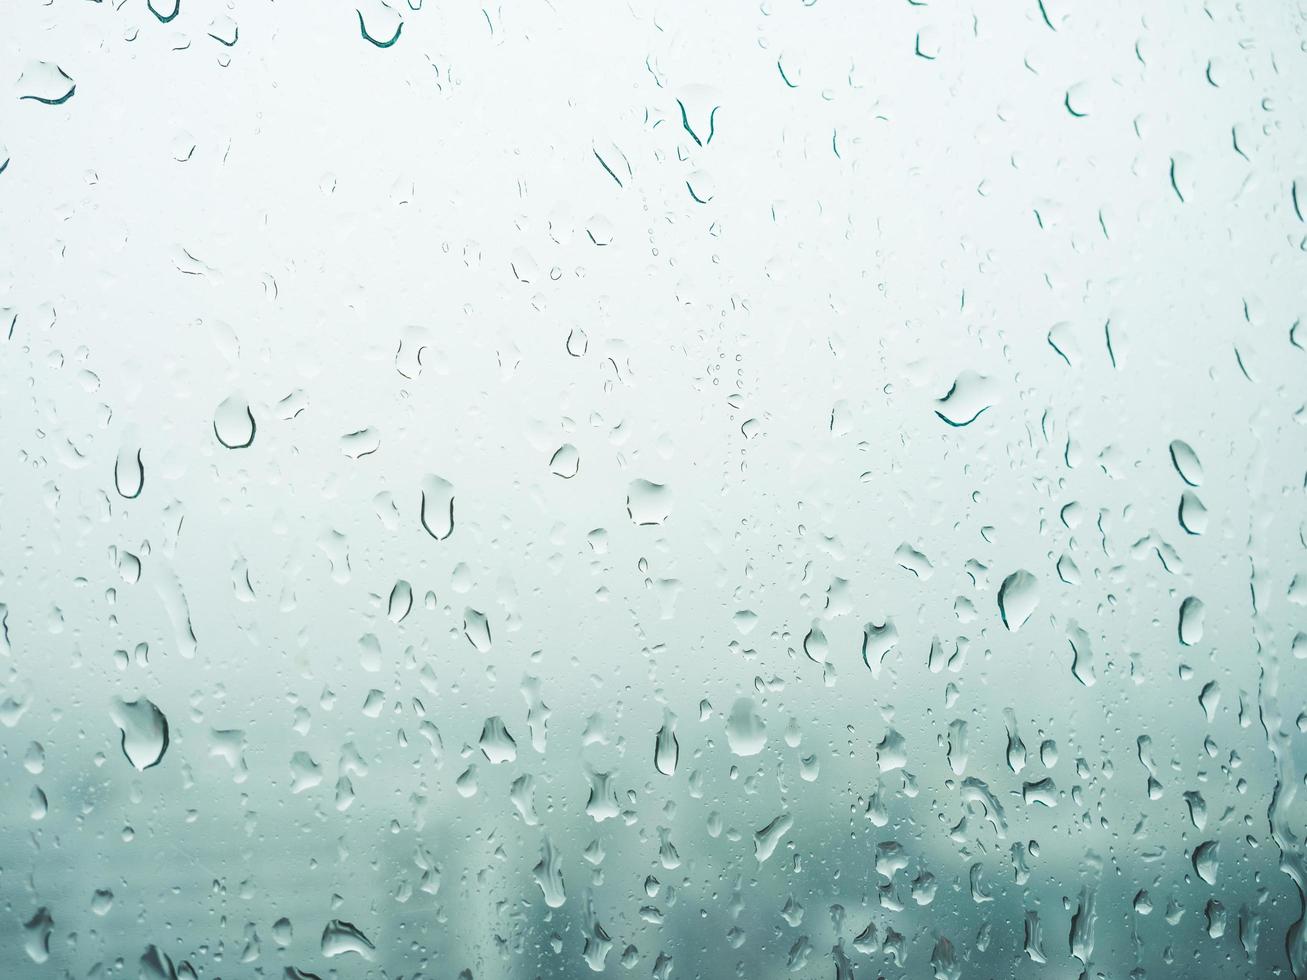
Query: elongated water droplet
x=1193 y=515
x=477 y=629
x=400 y=602
x=437 y=507
x=1207 y=860
x=36 y=935
x=1186 y=463
x=667 y=750
x=814 y=645
x=766 y=839
x=549 y=875
x=129 y=473
x=1192 y=613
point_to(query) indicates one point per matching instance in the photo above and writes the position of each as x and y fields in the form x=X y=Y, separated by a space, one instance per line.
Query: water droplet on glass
x=745 y=731
x=667 y=750
x=1017 y=598
x=565 y=462
x=144 y=730
x=477 y=629
x=129 y=473
x=1186 y=463
x=648 y=503
x=437 y=507
x=968 y=398
x=339 y=938
x=233 y=423
x=1192 y=613
x=46 y=83
x=495 y=743
x=36 y=935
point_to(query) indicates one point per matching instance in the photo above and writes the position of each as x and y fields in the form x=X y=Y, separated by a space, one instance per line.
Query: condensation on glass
x=674 y=490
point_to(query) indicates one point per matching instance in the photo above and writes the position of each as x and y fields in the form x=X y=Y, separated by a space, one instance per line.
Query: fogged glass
x=676 y=490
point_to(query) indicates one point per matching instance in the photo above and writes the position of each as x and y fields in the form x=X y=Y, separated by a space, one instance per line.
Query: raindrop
x=129 y=473
x=45 y=82
x=815 y=646
x=968 y=398
x=37 y=931
x=1192 y=612
x=565 y=462
x=746 y=734
x=233 y=423
x=1017 y=598
x=1186 y=463
x=496 y=744
x=144 y=731
x=1192 y=515
x=766 y=839
x=1207 y=859
x=437 y=508
x=339 y=938
x=667 y=750
x=400 y=602
x=382 y=26
x=648 y=503
x=477 y=629
x=363 y=442
x=549 y=875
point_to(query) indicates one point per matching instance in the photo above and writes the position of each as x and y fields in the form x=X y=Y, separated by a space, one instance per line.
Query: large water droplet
x=667 y=750
x=36 y=935
x=339 y=938
x=1017 y=598
x=400 y=602
x=382 y=24
x=496 y=744
x=45 y=82
x=766 y=839
x=129 y=473
x=1192 y=612
x=565 y=462
x=144 y=731
x=233 y=423
x=1192 y=515
x=745 y=731
x=437 y=507
x=1186 y=463
x=648 y=503
x=968 y=398
x=1207 y=860
x=549 y=875
x=477 y=629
